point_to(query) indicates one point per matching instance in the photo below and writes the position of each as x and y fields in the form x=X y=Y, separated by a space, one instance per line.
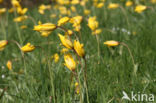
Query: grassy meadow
x=100 y=75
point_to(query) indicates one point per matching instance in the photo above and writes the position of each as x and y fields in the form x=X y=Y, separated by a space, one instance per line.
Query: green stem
x=124 y=12
x=51 y=74
x=129 y=52
x=13 y=41
x=3 y=28
x=32 y=19
x=85 y=79
x=79 y=82
x=84 y=74
x=19 y=34
x=98 y=43
x=51 y=81
x=18 y=30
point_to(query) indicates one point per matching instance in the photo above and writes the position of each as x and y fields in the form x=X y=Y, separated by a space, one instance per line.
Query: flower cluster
x=93 y=25
x=66 y=20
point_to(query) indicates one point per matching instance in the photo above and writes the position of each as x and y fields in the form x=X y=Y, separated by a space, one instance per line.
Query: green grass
x=107 y=76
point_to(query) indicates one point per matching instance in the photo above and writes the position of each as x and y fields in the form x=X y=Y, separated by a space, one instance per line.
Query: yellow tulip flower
x=97 y=31
x=73 y=8
x=15 y=3
x=100 y=5
x=66 y=42
x=140 y=8
x=83 y=2
x=9 y=65
x=63 y=10
x=69 y=62
x=43 y=7
x=23 y=27
x=113 y=6
x=86 y=12
x=69 y=32
x=45 y=33
x=79 y=48
x=129 y=3
x=21 y=11
x=111 y=43
x=77 y=28
x=3 y=43
x=92 y=23
x=76 y=84
x=20 y=18
x=56 y=57
x=2 y=10
x=45 y=27
x=39 y=22
x=28 y=48
x=77 y=88
x=74 y=2
x=76 y=20
x=63 y=2
x=11 y=10
x=64 y=50
x=63 y=21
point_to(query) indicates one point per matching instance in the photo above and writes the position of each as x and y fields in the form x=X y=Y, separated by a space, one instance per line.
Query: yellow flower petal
x=45 y=27
x=92 y=23
x=140 y=8
x=45 y=33
x=56 y=57
x=3 y=43
x=111 y=43
x=20 y=18
x=69 y=32
x=69 y=62
x=66 y=42
x=63 y=21
x=100 y=5
x=9 y=65
x=64 y=50
x=23 y=27
x=86 y=12
x=79 y=48
x=129 y=3
x=2 y=10
x=113 y=6
x=28 y=48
